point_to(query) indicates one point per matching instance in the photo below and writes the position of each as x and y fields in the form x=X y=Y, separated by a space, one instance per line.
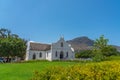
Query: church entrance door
x=61 y=55
x=34 y=56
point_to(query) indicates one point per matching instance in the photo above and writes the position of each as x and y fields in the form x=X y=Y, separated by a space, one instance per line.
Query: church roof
x=39 y=46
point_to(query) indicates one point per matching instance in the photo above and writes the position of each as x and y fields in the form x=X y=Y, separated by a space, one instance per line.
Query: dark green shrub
x=98 y=58
x=84 y=54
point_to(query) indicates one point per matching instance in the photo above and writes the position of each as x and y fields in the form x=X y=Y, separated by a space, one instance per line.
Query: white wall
x=66 y=48
x=27 y=51
x=37 y=53
x=48 y=55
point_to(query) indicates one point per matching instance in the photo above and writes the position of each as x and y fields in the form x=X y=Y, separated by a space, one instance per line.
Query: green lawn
x=24 y=71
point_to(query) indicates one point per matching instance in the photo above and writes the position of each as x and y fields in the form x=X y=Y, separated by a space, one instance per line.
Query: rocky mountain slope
x=84 y=43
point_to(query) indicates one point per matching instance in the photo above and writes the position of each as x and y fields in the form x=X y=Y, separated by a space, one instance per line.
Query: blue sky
x=47 y=20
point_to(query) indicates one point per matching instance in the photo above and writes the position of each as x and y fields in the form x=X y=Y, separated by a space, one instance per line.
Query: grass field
x=24 y=71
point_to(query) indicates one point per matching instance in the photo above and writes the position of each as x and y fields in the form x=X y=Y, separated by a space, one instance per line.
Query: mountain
x=84 y=43
x=81 y=43
x=117 y=47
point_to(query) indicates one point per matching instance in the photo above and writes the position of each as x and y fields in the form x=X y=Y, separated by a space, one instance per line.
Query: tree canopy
x=101 y=43
x=102 y=49
x=101 y=46
x=11 y=44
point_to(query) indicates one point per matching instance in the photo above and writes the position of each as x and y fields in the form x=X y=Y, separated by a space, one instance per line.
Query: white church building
x=60 y=50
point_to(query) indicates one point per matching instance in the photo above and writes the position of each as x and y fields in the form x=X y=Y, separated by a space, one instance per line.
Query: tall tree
x=11 y=44
x=101 y=42
x=101 y=47
x=4 y=33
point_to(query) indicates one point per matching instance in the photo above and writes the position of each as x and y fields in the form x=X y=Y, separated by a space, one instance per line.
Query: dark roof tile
x=39 y=46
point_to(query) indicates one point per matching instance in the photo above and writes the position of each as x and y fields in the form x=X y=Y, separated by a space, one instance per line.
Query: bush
x=98 y=58
x=84 y=54
x=109 y=70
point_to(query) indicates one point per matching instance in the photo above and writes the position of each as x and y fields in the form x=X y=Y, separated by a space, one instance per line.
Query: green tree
x=102 y=50
x=5 y=33
x=11 y=44
x=109 y=51
x=100 y=43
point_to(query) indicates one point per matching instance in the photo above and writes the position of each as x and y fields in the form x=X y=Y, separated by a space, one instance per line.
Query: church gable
x=61 y=44
x=61 y=50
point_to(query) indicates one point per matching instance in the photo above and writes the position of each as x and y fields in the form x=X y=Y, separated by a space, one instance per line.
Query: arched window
x=56 y=54
x=47 y=54
x=40 y=55
x=61 y=44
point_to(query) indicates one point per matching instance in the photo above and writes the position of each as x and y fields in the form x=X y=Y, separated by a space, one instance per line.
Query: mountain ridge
x=84 y=43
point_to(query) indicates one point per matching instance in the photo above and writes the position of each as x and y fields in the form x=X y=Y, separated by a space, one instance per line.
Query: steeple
x=62 y=37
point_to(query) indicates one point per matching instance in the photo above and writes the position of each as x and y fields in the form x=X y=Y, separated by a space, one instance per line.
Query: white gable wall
x=27 y=51
x=48 y=55
x=66 y=49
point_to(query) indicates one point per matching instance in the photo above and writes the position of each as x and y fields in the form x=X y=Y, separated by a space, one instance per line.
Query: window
x=66 y=54
x=40 y=55
x=61 y=44
x=56 y=54
x=47 y=54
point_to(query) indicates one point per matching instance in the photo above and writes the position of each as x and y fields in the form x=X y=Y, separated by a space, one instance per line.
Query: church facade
x=60 y=50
